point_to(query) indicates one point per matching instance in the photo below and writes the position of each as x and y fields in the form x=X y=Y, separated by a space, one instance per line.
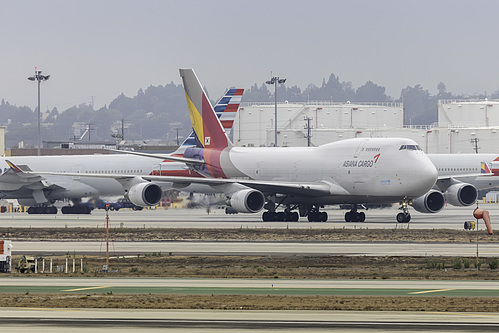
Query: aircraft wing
x=162 y=157
x=265 y=186
x=281 y=187
x=464 y=175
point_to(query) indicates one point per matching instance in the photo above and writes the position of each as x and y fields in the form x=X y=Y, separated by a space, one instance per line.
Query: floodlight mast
x=275 y=80
x=39 y=77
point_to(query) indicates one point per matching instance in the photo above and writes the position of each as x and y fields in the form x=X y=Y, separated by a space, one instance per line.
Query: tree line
x=159 y=112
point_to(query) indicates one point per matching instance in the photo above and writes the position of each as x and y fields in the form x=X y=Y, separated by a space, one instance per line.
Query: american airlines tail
x=205 y=123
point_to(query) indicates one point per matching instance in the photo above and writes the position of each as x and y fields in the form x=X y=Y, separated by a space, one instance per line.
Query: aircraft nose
x=429 y=175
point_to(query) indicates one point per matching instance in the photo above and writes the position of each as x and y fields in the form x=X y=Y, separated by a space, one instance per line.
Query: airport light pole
x=39 y=77
x=275 y=80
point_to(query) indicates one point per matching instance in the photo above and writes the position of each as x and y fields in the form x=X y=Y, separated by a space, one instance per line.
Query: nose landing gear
x=404 y=216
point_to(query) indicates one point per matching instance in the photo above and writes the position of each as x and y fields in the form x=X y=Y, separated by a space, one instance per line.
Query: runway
x=451 y=218
x=251 y=286
x=110 y=320
x=44 y=248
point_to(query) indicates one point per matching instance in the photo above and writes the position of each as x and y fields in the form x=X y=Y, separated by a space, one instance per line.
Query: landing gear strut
x=405 y=216
x=354 y=216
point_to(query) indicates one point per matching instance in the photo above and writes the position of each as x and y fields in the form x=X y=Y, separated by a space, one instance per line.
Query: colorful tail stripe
x=227 y=107
x=206 y=126
x=484 y=168
x=14 y=167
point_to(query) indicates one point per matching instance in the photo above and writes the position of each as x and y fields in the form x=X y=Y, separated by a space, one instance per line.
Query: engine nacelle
x=247 y=201
x=431 y=202
x=462 y=194
x=144 y=194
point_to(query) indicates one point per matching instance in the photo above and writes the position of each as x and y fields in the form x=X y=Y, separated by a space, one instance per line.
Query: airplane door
x=156 y=169
x=360 y=148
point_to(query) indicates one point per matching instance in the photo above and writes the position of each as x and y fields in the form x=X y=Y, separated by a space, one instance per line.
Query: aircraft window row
x=373 y=149
x=458 y=169
x=410 y=147
x=115 y=171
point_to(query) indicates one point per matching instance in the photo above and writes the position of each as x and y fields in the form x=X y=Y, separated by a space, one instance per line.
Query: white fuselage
x=454 y=165
x=367 y=170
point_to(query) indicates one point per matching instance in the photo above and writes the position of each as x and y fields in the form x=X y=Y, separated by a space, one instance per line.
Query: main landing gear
x=354 y=216
x=271 y=215
x=76 y=209
x=42 y=210
x=314 y=215
x=285 y=216
x=405 y=216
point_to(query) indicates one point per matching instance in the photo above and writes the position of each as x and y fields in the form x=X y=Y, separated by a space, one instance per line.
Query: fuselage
x=367 y=170
x=454 y=165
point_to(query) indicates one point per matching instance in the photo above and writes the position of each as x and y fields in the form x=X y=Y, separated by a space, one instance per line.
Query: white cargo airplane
x=353 y=171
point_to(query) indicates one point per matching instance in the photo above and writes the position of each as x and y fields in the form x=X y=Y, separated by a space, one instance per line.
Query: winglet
x=14 y=167
x=205 y=123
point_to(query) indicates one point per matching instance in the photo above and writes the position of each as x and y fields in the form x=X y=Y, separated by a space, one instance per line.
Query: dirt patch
x=278 y=267
x=256 y=302
x=251 y=234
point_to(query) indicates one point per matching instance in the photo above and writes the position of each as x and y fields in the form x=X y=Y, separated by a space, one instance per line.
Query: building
x=464 y=126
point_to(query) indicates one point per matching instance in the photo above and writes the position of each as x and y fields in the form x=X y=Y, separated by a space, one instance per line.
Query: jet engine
x=461 y=194
x=144 y=194
x=247 y=201
x=431 y=202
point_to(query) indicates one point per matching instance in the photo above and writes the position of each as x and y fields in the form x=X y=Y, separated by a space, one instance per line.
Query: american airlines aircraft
x=351 y=171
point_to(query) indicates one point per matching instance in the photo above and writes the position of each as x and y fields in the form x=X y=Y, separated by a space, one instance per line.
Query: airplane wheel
x=280 y=217
x=362 y=217
x=347 y=217
x=295 y=217
x=265 y=216
x=323 y=217
x=403 y=217
x=354 y=217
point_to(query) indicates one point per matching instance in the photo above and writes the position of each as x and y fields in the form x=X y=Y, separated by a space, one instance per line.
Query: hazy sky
x=105 y=48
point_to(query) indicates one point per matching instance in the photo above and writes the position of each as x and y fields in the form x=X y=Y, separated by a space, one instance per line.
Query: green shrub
x=457 y=264
x=493 y=263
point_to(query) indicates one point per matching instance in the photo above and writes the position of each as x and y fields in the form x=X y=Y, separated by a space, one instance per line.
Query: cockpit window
x=410 y=147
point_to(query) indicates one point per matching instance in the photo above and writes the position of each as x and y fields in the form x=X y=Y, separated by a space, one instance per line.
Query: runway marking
x=100 y=287
x=429 y=291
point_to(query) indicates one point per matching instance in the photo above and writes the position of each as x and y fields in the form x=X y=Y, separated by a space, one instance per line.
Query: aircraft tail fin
x=205 y=123
x=226 y=109
x=484 y=168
